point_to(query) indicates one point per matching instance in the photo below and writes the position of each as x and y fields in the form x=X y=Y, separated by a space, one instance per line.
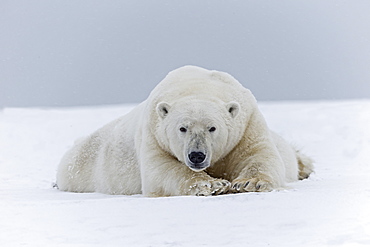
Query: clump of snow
x=329 y=208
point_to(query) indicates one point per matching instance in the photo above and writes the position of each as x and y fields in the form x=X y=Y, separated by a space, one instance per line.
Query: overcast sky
x=86 y=52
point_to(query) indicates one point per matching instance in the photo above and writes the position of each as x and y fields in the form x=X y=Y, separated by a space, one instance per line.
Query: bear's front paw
x=251 y=185
x=208 y=188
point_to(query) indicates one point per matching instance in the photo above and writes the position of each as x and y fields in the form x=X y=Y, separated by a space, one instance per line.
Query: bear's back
x=199 y=83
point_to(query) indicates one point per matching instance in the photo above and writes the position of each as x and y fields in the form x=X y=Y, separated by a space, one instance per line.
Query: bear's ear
x=162 y=109
x=233 y=108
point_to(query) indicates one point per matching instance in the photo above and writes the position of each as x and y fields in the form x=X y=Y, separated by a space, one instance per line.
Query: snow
x=331 y=208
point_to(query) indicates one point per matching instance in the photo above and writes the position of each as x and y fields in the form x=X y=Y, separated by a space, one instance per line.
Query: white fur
x=191 y=111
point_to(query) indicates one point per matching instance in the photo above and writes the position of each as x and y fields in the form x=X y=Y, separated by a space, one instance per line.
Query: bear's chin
x=198 y=167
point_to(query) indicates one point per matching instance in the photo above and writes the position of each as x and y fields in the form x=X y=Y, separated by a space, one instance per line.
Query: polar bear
x=200 y=132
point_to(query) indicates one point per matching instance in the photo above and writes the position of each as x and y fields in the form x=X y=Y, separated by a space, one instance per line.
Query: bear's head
x=196 y=132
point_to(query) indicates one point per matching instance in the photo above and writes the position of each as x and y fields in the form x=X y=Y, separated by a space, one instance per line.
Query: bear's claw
x=208 y=188
x=251 y=185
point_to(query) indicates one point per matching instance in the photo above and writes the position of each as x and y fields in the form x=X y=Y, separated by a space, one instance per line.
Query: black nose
x=197 y=157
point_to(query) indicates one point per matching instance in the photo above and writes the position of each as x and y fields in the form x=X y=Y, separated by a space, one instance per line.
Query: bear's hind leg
x=305 y=165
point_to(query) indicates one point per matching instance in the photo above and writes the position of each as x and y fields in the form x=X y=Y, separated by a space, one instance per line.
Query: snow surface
x=329 y=209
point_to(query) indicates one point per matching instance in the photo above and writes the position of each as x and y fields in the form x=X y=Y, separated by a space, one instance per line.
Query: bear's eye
x=212 y=129
x=183 y=129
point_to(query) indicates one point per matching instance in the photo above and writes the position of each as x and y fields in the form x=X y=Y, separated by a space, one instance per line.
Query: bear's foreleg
x=251 y=179
x=261 y=172
x=164 y=175
x=257 y=162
